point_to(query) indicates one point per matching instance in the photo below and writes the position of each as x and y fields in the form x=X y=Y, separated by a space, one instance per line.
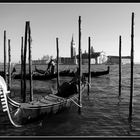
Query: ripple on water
x=103 y=114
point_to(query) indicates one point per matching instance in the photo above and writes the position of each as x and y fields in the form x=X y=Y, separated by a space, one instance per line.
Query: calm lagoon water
x=103 y=114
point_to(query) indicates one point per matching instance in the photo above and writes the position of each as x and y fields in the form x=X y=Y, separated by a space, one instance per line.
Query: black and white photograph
x=69 y=69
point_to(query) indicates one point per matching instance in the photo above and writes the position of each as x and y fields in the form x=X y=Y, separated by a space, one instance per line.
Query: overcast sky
x=103 y=22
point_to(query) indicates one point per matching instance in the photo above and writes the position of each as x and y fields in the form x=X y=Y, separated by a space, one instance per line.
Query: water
x=103 y=113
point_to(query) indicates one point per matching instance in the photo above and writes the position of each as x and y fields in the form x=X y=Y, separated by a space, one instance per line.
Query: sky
x=103 y=22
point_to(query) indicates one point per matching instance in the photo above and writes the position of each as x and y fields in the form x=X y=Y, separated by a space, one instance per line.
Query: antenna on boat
x=5 y=56
x=120 y=61
x=79 y=84
x=30 y=62
x=89 y=61
x=132 y=65
x=57 y=48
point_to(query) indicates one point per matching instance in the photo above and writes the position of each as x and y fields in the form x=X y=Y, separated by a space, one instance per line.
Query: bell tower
x=72 y=48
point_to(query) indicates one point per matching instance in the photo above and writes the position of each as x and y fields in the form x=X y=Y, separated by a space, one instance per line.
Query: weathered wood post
x=89 y=61
x=5 y=56
x=22 y=67
x=9 y=65
x=120 y=61
x=132 y=64
x=79 y=85
x=25 y=50
x=57 y=48
x=30 y=62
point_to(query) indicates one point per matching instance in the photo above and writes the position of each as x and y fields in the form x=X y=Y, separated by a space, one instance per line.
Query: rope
x=75 y=98
x=89 y=84
x=75 y=103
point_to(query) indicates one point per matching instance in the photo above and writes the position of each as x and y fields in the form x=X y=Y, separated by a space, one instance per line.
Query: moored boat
x=36 y=76
x=39 y=74
x=61 y=73
x=43 y=75
x=98 y=73
x=22 y=113
x=2 y=72
x=72 y=74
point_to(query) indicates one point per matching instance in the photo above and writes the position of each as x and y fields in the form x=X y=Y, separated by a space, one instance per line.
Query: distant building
x=115 y=60
x=67 y=60
x=73 y=50
x=44 y=60
x=92 y=50
x=39 y=62
x=72 y=59
x=96 y=58
x=102 y=58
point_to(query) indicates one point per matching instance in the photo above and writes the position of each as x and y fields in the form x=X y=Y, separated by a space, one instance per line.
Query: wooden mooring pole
x=89 y=61
x=120 y=61
x=9 y=65
x=80 y=71
x=22 y=67
x=5 y=56
x=30 y=62
x=24 y=63
x=57 y=48
x=132 y=64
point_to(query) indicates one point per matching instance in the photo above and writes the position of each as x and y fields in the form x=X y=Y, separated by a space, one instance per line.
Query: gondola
x=36 y=76
x=61 y=73
x=44 y=75
x=22 y=113
x=68 y=73
x=13 y=71
x=98 y=73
